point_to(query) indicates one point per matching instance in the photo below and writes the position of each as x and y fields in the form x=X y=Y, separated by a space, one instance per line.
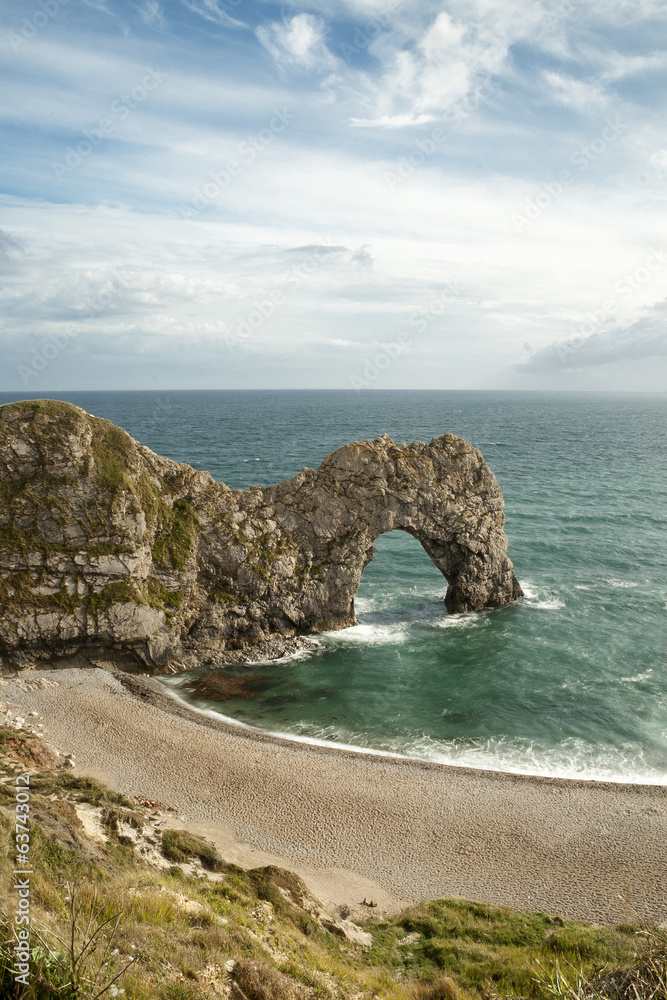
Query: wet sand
x=357 y=825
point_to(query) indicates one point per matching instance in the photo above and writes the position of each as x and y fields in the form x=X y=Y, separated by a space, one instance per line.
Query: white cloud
x=298 y=43
x=391 y=121
x=152 y=14
x=100 y=5
x=582 y=96
x=658 y=160
x=212 y=10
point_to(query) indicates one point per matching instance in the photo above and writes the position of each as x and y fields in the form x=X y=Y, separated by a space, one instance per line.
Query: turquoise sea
x=571 y=681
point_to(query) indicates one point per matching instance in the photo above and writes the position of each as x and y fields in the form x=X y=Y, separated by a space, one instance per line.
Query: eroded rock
x=110 y=553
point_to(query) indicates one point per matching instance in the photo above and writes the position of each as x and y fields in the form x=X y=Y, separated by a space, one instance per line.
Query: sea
x=571 y=681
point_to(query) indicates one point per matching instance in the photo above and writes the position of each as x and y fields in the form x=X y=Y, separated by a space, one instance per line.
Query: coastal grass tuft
x=181 y=846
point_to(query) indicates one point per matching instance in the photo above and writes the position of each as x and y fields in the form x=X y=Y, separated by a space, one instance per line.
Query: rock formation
x=110 y=554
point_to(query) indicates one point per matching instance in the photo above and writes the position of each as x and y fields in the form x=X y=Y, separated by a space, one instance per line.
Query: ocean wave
x=622 y=584
x=534 y=597
x=370 y=634
x=398 y=599
x=456 y=621
x=638 y=678
x=573 y=758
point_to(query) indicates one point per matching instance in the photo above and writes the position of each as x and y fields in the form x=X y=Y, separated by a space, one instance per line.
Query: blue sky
x=333 y=194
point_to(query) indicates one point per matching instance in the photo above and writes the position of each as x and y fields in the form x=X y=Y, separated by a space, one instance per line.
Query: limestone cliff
x=112 y=554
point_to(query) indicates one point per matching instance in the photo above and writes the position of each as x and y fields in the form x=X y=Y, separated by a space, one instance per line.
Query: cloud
x=152 y=14
x=658 y=161
x=391 y=121
x=645 y=338
x=10 y=246
x=298 y=43
x=360 y=169
x=212 y=10
x=579 y=95
x=100 y=5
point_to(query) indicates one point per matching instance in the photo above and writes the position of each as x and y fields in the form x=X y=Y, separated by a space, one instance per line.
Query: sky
x=366 y=194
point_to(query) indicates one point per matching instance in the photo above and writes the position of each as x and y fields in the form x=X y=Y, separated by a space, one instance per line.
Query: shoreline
x=370 y=751
x=359 y=824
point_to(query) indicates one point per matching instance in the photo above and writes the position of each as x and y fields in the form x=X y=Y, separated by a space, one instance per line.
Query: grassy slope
x=189 y=937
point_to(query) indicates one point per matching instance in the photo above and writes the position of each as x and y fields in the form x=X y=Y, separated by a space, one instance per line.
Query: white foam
x=534 y=597
x=362 y=605
x=572 y=759
x=298 y=654
x=638 y=678
x=371 y=635
x=624 y=584
x=456 y=621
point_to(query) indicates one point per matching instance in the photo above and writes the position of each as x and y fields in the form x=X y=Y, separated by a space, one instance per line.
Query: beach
x=360 y=825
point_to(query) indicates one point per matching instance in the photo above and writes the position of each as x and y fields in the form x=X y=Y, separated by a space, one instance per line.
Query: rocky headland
x=113 y=556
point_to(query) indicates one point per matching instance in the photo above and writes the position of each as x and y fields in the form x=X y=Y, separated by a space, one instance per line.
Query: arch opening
x=401 y=578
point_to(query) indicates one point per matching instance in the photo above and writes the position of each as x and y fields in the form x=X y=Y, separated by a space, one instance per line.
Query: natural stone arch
x=443 y=494
x=110 y=554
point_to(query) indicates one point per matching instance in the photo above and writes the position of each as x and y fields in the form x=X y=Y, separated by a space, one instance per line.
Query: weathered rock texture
x=110 y=554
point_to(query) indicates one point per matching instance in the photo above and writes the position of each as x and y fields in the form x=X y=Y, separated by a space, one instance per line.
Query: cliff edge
x=112 y=555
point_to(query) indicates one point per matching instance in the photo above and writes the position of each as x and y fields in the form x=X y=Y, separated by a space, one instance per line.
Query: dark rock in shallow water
x=221 y=686
x=112 y=555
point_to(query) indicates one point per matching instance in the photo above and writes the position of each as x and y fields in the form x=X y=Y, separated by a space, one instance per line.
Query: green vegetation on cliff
x=191 y=927
x=78 y=504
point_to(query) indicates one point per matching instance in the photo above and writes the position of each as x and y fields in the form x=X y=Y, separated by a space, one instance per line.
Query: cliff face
x=110 y=554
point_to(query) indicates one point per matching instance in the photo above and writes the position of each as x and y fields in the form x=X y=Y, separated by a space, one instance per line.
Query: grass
x=176 y=535
x=180 y=937
x=484 y=946
x=120 y=482
x=179 y=845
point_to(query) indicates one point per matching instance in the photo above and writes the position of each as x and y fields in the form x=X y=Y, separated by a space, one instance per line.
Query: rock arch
x=110 y=554
x=443 y=494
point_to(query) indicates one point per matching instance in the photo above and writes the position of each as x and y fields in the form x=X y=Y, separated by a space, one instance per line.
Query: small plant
x=645 y=979
x=259 y=981
x=80 y=965
x=179 y=845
